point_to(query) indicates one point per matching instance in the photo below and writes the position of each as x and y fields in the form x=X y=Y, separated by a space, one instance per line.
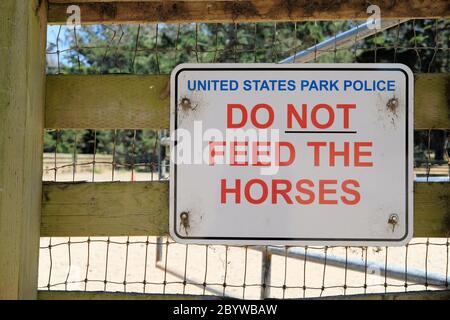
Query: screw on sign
x=185 y=104
x=184 y=220
x=393 y=220
x=292 y=155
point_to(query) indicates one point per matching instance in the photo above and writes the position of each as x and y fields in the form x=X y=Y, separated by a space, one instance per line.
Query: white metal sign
x=292 y=154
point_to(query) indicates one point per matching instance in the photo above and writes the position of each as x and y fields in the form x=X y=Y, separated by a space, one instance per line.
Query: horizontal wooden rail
x=135 y=102
x=432 y=209
x=107 y=101
x=142 y=208
x=94 y=295
x=83 y=295
x=432 y=101
x=412 y=295
x=105 y=209
x=169 y=11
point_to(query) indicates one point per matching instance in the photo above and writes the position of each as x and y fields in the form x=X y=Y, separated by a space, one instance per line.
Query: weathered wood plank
x=94 y=295
x=142 y=208
x=135 y=102
x=82 y=295
x=412 y=295
x=432 y=209
x=107 y=101
x=432 y=101
x=105 y=209
x=242 y=11
x=22 y=78
x=105 y=1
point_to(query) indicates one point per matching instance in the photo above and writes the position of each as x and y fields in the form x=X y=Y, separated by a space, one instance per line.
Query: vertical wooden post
x=22 y=84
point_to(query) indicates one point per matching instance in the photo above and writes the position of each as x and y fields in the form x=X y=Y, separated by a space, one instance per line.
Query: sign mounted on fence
x=292 y=154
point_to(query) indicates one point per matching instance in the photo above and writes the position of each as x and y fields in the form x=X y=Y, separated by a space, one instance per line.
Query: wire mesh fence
x=152 y=264
x=131 y=264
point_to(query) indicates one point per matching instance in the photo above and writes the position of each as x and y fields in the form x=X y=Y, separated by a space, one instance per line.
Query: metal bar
x=395 y=272
x=343 y=39
x=159 y=250
x=266 y=269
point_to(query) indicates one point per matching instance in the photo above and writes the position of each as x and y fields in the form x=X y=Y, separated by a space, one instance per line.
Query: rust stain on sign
x=184 y=217
x=393 y=220
x=185 y=104
x=392 y=104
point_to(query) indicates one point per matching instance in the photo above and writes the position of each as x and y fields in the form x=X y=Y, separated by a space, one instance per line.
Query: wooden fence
x=30 y=209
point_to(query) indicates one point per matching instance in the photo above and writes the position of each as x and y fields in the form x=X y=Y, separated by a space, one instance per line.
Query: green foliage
x=158 y=48
x=129 y=147
x=420 y=44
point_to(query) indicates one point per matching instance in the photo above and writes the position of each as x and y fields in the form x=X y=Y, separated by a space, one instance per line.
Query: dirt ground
x=215 y=265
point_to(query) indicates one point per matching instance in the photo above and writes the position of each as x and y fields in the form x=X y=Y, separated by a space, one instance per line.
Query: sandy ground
x=120 y=267
x=216 y=265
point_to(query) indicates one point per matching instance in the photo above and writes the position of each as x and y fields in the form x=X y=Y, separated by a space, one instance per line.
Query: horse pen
x=85 y=145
